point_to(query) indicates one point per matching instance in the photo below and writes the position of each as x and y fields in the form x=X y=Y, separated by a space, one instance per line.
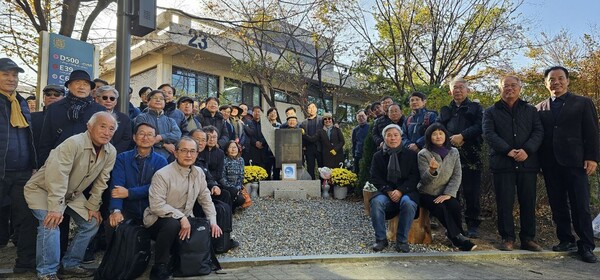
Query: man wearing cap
x=17 y=162
x=68 y=116
x=186 y=105
x=51 y=94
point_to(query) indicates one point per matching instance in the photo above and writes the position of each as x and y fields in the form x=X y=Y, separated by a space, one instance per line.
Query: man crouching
x=81 y=161
x=173 y=192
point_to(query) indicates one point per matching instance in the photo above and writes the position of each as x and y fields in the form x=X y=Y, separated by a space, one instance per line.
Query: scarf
x=16 y=116
x=328 y=130
x=393 y=168
x=442 y=151
x=76 y=105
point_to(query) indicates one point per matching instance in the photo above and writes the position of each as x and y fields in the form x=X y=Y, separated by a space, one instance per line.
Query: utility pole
x=123 y=61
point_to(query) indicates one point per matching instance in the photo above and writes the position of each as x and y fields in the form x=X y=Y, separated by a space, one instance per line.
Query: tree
x=425 y=42
x=25 y=19
x=283 y=45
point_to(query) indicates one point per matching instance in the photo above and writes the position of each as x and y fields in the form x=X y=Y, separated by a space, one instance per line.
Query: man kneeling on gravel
x=395 y=174
x=172 y=195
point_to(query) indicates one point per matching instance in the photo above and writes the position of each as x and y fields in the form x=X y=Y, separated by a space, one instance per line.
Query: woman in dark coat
x=332 y=142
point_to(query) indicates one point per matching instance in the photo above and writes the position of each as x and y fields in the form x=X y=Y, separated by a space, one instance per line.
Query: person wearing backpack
x=413 y=128
x=172 y=195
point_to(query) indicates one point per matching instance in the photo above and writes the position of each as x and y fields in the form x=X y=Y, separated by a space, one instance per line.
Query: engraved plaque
x=288 y=147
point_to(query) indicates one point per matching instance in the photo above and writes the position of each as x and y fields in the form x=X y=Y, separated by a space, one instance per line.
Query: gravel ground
x=271 y=228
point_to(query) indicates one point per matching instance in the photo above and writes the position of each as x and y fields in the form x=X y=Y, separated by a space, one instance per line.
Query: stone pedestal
x=310 y=187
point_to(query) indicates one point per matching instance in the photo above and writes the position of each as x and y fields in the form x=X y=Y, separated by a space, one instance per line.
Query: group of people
x=79 y=159
x=428 y=159
x=168 y=160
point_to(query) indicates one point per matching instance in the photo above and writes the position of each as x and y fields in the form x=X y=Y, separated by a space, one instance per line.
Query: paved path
x=518 y=264
x=557 y=267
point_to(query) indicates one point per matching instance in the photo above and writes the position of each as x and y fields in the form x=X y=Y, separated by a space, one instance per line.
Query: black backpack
x=222 y=244
x=128 y=253
x=195 y=255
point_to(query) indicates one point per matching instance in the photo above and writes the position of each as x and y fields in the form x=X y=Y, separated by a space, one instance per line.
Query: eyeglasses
x=157 y=99
x=142 y=135
x=112 y=98
x=54 y=93
x=327 y=119
x=188 y=152
x=211 y=137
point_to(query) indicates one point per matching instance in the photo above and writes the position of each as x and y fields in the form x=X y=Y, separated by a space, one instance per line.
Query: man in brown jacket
x=82 y=160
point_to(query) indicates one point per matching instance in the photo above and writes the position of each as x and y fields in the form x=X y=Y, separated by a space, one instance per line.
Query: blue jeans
x=382 y=208
x=48 y=243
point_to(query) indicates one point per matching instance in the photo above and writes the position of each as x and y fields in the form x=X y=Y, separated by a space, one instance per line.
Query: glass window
x=346 y=112
x=319 y=102
x=236 y=92
x=194 y=84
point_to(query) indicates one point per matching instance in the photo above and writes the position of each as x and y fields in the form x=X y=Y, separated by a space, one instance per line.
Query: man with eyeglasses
x=173 y=193
x=168 y=131
x=131 y=178
x=107 y=96
x=463 y=118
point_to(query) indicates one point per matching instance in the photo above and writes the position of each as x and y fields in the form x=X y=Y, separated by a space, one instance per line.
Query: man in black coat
x=312 y=150
x=395 y=174
x=52 y=93
x=513 y=130
x=569 y=153
x=68 y=116
x=462 y=117
x=107 y=96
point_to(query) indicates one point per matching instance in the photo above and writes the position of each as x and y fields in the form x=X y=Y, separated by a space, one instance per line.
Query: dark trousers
x=24 y=223
x=357 y=166
x=447 y=212
x=470 y=189
x=5 y=225
x=310 y=155
x=569 y=197
x=505 y=185
x=165 y=232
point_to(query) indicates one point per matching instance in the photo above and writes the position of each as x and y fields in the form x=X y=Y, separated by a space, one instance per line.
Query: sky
x=549 y=16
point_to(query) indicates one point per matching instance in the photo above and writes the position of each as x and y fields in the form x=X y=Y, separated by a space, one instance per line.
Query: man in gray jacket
x=173 y=192
x=514 y=133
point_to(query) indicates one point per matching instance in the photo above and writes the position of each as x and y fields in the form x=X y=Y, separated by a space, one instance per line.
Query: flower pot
x=254 y=193
x=367 y=201
x=340 y=192
x=325 y=193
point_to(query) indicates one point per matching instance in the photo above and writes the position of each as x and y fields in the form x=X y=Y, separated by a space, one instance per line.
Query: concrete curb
x=230 y=263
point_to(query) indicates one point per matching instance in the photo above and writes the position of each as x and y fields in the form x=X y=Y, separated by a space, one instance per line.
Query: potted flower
x=253 y=174
x=342 y=178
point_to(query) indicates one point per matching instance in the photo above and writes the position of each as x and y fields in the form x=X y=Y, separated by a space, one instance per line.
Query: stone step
x=312 y=188
x=290 y=194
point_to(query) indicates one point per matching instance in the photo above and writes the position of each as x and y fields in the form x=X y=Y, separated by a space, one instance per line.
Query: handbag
x=247 y=199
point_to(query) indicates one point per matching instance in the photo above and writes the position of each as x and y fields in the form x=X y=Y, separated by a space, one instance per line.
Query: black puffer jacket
x=505 y=129
x=217 y=121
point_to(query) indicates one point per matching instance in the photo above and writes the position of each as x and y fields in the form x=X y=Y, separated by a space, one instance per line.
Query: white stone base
x=311 y=187
x=290 y=194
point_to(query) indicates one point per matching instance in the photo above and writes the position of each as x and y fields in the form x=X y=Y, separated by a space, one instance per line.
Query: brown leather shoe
x=507 y=245
x=531 y=246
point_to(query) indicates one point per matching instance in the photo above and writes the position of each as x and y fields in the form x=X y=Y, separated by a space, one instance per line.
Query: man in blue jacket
x=413 y=128
x=132 y=175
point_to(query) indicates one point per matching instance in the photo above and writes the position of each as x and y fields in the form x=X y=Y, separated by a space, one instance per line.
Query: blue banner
x=68 y=54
